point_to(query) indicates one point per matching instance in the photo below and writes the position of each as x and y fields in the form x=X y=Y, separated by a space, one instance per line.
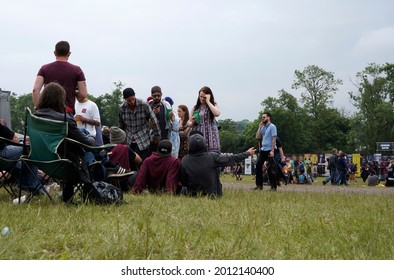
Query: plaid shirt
x=136 y=123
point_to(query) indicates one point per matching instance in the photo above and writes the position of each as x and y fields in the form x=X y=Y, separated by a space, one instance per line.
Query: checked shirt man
x=137 y=119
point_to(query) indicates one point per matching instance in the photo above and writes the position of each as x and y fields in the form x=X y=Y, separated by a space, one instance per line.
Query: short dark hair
x=155 y=89
x=127 y=92
x=62 y=48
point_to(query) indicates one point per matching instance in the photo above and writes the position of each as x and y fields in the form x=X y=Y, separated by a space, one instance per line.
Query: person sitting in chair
x=51 y=105
x=13 y=153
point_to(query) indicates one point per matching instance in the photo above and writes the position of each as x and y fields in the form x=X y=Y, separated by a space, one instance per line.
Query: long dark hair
x=205 y=90
x=186 y=110
x=53 y=96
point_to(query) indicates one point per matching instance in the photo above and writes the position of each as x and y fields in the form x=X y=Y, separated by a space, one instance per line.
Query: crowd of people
x=374 y=172
x=163 y=150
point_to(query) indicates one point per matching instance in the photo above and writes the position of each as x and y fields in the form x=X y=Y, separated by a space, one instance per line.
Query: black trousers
x=271 y=171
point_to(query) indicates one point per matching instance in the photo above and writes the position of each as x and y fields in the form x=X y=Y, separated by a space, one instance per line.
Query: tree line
x=308 y=125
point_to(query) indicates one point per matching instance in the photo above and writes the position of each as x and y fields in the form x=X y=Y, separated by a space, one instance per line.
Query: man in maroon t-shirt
x=69 y=76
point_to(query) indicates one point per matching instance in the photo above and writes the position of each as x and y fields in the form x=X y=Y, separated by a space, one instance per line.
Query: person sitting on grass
x=159 y=172
x=200 y=169
x=123 y=156
x=373 y=179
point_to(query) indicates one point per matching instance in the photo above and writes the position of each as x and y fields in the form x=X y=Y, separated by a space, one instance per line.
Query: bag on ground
x=104 y=193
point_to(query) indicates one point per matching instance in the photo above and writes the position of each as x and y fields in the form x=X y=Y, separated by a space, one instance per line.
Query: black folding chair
x=8 y=180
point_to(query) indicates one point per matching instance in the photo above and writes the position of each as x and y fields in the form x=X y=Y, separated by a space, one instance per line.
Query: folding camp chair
x=7 y=168
x=45 y=138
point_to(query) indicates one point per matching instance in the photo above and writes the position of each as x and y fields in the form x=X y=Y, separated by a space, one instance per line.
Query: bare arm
x=137 y=159
x=82 y=89
x=214 y=108
x=258 y=132
x=86 y=120
x=273 y=146
x=282 y=154
x=37 y=89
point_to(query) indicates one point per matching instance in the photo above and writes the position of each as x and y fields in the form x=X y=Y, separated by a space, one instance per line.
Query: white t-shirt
x=88 y=110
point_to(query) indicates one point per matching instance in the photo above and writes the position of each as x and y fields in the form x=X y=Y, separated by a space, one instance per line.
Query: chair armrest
x=88 y=147
x=10 y=142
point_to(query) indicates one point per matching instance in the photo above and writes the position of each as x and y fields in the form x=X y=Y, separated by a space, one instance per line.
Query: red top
x=158 y=173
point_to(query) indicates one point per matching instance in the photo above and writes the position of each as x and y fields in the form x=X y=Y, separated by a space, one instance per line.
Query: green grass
x=243 y=224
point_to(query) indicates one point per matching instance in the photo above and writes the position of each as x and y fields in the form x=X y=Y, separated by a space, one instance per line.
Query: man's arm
x=273 y=146
x=82 y=89
x=37 y=89
x=226 y=160
x=258 y=132
x=155 y=125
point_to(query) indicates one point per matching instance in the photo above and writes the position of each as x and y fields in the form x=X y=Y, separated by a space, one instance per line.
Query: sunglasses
x=156 y=95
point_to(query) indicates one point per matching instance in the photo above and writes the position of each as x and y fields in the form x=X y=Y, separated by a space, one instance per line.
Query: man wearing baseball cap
x=160 y=171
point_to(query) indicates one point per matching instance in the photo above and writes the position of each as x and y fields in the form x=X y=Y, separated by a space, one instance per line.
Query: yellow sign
x=356 y=159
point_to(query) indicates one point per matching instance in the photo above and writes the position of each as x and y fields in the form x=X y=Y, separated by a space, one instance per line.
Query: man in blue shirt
x=267 y=134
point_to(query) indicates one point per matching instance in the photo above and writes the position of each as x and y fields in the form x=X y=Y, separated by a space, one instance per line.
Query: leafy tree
x=291 y=122
x=17 y=109
x=241 y=125
x=318 y=87
x=109 y=104
x=228 y=141
x=228 y=125
x=374 y=99
x=335 y=127
x=248 y=135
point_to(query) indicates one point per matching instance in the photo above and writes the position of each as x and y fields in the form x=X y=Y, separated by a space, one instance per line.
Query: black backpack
x=104 y=193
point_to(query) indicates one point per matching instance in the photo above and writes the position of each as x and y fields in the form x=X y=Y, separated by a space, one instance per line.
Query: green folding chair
x=7 y=168
x=46 y=136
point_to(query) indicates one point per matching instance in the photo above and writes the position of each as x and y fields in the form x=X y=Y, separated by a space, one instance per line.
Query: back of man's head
x=197 y=143
x=62 y=48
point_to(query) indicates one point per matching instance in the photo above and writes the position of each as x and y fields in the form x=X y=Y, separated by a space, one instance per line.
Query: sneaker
x=16 y=200
x=257 y=188
x=52 y=187
x=324 y=182
x=118 y=171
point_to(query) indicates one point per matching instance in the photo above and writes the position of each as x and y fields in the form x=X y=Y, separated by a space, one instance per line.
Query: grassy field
x=243 y=224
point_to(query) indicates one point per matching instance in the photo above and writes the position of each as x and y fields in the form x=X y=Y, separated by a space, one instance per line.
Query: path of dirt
x=318 y=188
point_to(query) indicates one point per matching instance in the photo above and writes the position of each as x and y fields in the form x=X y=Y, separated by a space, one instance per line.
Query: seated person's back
x=121 y=154
x=372 y=179
x=160 y=171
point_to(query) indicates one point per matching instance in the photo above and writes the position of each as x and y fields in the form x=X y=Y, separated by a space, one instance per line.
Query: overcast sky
x=245 y=50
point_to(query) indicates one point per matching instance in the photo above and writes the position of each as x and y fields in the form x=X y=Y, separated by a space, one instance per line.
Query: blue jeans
x=341 y=178
x=333 y=176
x=27 y=178
x=99 y=172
